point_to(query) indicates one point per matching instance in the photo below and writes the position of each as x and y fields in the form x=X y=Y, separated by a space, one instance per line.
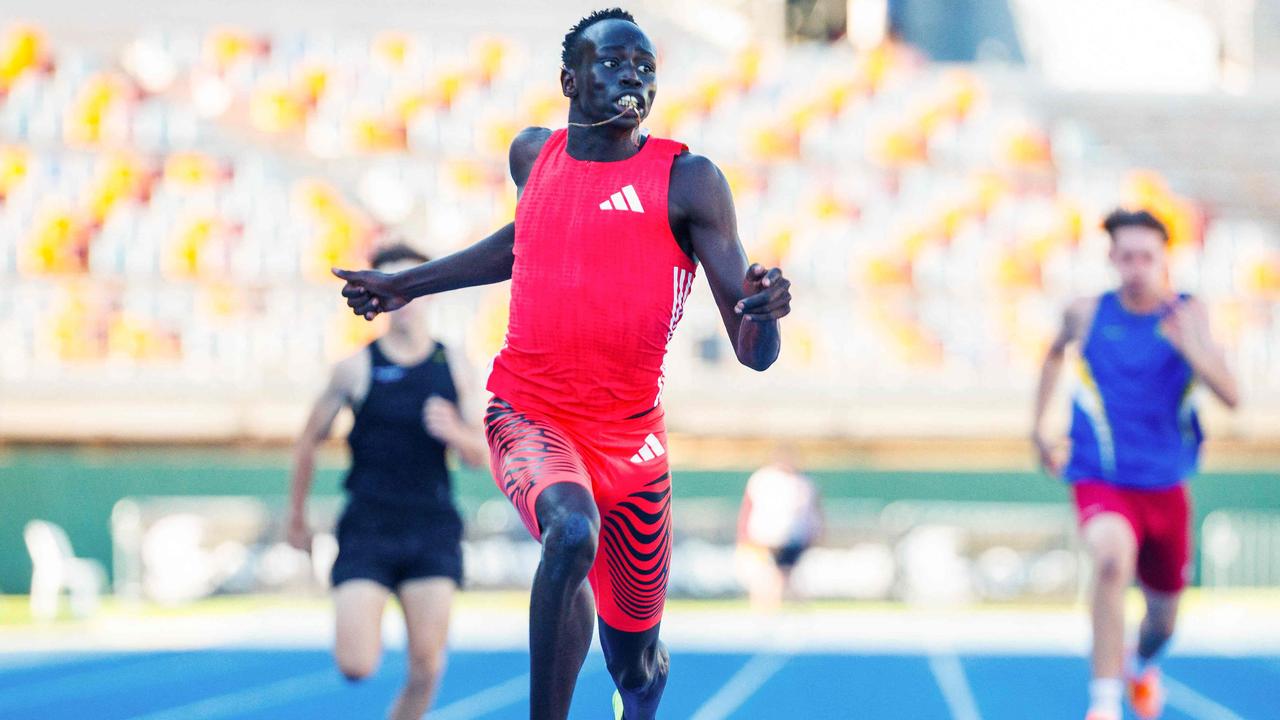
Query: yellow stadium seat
x=489 y=54
x=23 y=48
x=191 y=170
x=15 y=165
x=274 y=107
x=98 y=113
x=57 y=243
x=226 y=47
x=391 y=49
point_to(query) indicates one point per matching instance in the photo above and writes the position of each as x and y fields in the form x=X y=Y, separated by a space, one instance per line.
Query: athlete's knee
x=425 y=667
x=1112 y=550
x=355 y=667
x=1112 y=568
x=631 y=675
x=569 y=543
x=640 y=672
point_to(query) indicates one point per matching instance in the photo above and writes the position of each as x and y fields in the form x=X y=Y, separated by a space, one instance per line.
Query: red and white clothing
x=1161 y=522
x=597 y=289
x=598 y=286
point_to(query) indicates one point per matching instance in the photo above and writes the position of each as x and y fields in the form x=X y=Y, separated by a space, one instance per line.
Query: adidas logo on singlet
x=650 y=450
x=624 y=200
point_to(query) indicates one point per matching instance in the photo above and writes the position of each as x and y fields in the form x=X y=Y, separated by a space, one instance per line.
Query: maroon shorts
x=1161 y=522
x=624 y=466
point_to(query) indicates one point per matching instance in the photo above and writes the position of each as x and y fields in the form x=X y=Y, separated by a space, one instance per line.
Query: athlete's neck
x=1140 y=301
x=605 y=143
x=406 y=344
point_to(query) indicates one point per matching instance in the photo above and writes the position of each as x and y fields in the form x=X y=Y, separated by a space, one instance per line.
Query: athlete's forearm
x=486 y=262
x=744 y=514
x=1211 y=367
x=471 y=446
x=759 y=343
x=304 y=466
x=1049 y=372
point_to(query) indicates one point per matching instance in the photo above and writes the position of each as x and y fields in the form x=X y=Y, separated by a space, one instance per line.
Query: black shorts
x=787 y=556
x=391 y=544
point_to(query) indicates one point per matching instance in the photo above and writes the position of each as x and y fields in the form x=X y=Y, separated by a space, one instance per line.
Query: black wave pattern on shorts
x=528 y=449
x=639 y=578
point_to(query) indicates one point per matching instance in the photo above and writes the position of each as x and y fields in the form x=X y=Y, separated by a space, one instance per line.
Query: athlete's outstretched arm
x=751 y=299
x=1073 y=321
x=1187 y=329
x=369 y=292
x=337 y=394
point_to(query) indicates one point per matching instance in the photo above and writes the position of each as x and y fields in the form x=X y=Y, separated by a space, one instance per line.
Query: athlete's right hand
x=369 y=292
x=1049 y=455
x=298 y=533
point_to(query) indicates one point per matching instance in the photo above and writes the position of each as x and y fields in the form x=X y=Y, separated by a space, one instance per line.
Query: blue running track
x=289 y=684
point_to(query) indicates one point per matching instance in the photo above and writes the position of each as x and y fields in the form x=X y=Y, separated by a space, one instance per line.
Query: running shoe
x=1146 y=694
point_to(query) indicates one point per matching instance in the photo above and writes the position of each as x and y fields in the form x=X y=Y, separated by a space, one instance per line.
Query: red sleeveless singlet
x=598 y=286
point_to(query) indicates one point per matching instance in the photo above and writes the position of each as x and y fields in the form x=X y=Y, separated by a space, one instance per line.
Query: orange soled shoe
x=1146 y=694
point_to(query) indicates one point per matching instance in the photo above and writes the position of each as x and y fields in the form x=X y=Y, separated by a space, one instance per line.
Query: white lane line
x=741 y=686
x=258 y=698
x=485 y=701
x=1193 y=703
x=949 y=674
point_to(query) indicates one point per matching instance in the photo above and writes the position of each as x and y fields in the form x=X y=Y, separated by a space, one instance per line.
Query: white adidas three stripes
x=624 y=200
x=650 y=450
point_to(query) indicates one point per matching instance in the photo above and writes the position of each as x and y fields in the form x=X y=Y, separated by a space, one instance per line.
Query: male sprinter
x=608 y=231
x=400 y=532
x=1135 y=440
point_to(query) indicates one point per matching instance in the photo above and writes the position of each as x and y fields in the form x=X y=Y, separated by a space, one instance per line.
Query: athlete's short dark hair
x=571 y=48
x=1137 y=218
x=395 y=252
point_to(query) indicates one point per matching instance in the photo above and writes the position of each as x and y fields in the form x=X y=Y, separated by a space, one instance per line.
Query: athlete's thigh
x=527 y=454
x=1108 y=526
x=1110 y=536
x=633 y=492
x=1164 y=555
x=624 y=649
x=563 y=499
x=358 y=605
x=427 y=604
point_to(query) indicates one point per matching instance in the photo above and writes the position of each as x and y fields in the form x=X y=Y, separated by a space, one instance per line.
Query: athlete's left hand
x=369 y=292
x=442 y=420
x=768 y=295
x=1183 y=328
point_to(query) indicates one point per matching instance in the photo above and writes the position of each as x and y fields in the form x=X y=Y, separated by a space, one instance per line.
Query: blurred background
x=176 y=179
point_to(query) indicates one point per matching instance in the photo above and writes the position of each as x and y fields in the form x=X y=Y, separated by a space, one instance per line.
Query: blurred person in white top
x=780 y=518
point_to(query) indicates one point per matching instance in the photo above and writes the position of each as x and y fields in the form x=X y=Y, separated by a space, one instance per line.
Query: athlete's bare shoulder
x=693 y=171
x=524 y=152
x=351 y=376
x=1079 y=317
x=698 y=188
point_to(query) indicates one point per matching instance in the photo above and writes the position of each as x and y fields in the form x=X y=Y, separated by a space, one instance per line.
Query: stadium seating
x=172 y=211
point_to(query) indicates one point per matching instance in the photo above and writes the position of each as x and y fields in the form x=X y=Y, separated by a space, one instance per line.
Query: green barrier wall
x=76 y=488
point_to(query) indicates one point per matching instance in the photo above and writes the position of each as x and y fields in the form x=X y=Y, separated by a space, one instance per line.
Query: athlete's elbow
x=757 y=362
x=475 y=459
x=1230 y=398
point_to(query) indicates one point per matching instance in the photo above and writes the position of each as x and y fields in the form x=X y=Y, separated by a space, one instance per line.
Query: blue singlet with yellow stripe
x=1133 y=421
